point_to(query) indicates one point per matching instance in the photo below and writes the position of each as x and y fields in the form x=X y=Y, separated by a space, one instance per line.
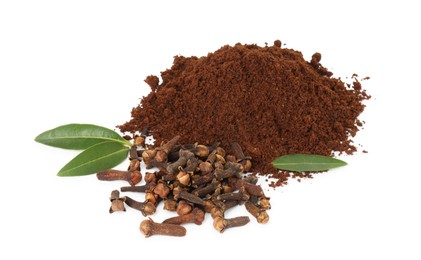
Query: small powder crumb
x=153 y=82
x=278 y=43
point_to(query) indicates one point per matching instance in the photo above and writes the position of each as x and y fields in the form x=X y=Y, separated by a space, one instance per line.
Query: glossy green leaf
x=306 y=162
x=79 y=136
x=96 y=158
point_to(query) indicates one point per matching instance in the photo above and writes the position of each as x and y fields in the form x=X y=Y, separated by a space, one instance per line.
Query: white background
x=85 y=61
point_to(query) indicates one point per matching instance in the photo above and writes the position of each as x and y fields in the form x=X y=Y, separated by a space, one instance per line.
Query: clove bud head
x=263 y=217
x=201 y=151
x=218 y=224
x=183 y=208
x=246 y=165
x=135 y=177
x=161 y=189
x=139 y=141
x=149 y=208
x=150 y=177
x=183 y=178
x=161 y=156
x=170 y=205
x=205 y=168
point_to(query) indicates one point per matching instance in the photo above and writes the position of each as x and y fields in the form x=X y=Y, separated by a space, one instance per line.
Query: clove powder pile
x=268 y=99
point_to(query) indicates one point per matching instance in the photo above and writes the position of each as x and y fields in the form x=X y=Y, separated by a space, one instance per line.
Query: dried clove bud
x=252 y=189
x=238 y=196
x=241 y=158
x=147 y=208
x=184 y=156
x=142 y=188
x=149 y=228
x=196 y=216
x=133 y=177
x=163 y=150
x=260 y=214
x=189 y=197
x=222 y=224
x=219 y=211
x=117 y=203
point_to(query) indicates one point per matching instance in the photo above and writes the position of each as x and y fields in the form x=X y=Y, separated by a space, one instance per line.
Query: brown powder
x=268 y=99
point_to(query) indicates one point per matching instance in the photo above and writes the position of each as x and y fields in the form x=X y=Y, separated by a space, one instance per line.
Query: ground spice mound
x=268 y=99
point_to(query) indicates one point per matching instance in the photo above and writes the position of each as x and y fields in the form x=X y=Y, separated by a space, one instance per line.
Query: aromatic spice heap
x=191 y=179
x=268 y=99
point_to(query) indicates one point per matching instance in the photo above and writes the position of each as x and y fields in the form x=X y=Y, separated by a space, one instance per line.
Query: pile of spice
x=268 y=99
x=191 y=180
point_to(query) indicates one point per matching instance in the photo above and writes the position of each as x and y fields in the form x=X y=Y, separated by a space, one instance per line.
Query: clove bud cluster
x=192 y=180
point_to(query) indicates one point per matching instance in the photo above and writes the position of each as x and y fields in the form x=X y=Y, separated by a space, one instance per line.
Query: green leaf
x=96 y=158
x=79 y=136
x=306 y=162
